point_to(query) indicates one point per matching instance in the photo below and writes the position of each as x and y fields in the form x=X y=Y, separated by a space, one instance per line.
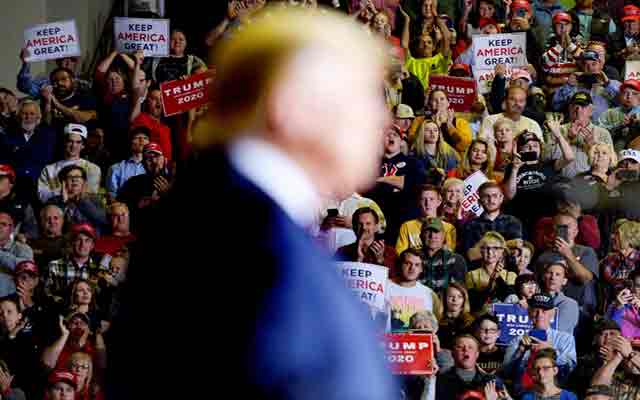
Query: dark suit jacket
x=29 y=158
x=225 y=292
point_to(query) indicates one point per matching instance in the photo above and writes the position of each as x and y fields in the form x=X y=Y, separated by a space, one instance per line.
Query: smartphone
x=627 y=175
x=540 y=334
x=588 y=79
x=562 y=231
x=332 y=212
x=379 y=236
x=528 y=156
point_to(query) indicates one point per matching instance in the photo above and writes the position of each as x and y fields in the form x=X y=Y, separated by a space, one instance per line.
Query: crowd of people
x=87 y=160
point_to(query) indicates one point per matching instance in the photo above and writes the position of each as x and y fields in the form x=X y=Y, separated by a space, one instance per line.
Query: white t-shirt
x=404 y=301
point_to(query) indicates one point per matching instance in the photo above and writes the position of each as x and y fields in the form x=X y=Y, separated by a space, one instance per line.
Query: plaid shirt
x=64 y=271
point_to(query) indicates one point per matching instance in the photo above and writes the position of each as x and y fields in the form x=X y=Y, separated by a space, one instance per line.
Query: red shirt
x=110 y=244
x=160 y=133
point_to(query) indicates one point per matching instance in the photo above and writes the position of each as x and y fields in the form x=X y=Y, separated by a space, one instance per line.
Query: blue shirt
x=604 y=97
x=564 y=345
x=120 y=172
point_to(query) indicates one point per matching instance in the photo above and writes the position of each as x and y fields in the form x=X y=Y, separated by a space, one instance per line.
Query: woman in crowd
x=624 y=258
x=602 y=159
x=81 y=365
x=521 y=253
x=433 y=150
x=456 y=316
x=423 y=386
x=83 y=299
x=455 y=131
x=625 y=310
x=503 y=133
x=178 y=65
x=480 y=156
x=492 y=280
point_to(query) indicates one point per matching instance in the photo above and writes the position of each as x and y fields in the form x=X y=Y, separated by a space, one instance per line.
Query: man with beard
x=49 y=184
x=515 y=102
x=624 y=122
x=29 y=147
x=141 y=192
x=63 y=104
x=492 y=219
x=32 y=86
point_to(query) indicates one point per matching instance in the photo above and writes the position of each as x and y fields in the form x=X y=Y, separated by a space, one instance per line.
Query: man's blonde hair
x=253 y=60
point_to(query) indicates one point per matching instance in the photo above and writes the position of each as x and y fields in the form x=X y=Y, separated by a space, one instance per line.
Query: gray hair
x=421 y=316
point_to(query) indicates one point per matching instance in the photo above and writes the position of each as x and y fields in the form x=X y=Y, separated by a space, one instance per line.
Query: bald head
x=308 y=83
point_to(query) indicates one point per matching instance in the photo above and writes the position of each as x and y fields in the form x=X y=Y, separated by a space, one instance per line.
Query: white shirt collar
x=277 y=175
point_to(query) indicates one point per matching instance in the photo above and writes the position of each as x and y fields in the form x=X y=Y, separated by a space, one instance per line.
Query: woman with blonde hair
x=492 y=280
x=618 y=265
x=456 y=315
x=602 y=159
x=433 y=150
x=503 y=134
x=480 y=156
x=81 y=364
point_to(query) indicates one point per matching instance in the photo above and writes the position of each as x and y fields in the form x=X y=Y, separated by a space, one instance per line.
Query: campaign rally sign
x=149 y=35
x=368 y=281
x=461 y=91
x=409 y=353
x=509 y=49
x=632 y=70
x=182 y=95
x=471 y=199
x=484 y=78
x=52 y=40
x=514 y=321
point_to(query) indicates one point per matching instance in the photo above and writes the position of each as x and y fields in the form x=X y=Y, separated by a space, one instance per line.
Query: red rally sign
x=460 y=91
x=409 y=353
x=182 y=95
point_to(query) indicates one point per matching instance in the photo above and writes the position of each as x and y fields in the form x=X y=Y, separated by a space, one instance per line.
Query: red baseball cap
x=464 y=67
x=487 y=21
x=516 y=4
x=63 y=376
x=631 y=12
x=7 y=170
x=85 y=228
x=631 y=83
x=27 y=266
x=561 y=16
x=153 y=147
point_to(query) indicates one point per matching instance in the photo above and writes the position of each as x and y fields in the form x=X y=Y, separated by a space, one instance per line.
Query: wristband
x=630 y=356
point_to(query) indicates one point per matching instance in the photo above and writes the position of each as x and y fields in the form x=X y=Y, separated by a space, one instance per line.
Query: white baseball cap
x=630 y=154
x=76 y=129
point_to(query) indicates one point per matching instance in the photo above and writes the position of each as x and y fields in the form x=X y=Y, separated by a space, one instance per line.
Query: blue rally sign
x=514 y=321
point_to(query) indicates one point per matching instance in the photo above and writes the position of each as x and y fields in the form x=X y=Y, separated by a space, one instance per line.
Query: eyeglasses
x=74 y=177
x=490 y=331
x=80 y=366
x=530 y=285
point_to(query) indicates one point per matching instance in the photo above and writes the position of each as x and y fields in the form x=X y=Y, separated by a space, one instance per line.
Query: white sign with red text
x=51 y=41
x=368 y=281
x=146 y=34
x=632 y=70
x=471 y=199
